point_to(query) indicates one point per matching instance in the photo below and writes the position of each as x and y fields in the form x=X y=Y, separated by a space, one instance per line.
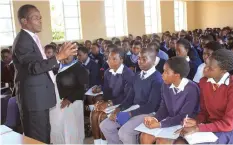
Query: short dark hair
x=150 y=51
x=179 y=65
x=83 y=49
x=137 y=43
x=24 y=10
x=213 y=45
x=50 y=46
x=154 y=46
x=117 y=51
x=118 y=43
x=112 y=46
x=87 y=41
x=125 y=41
x=5 y=51
x=185 y=43
x=138 y=37
x=208 y=38
x=95 y=44
x=174 y=38
x=53 y=43
x=224 y=58
x=108 y=42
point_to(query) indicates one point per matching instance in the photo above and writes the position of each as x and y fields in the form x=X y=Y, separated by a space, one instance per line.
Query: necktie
x=215 y=86
x=176 y=90
x=51 y=74
x=143 y=75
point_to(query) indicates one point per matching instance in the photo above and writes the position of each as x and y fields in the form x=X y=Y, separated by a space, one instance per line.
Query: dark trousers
x=36 y=125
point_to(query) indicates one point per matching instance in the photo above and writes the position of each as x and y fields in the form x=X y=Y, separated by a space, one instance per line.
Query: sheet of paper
x=90 y=93
x=4 y=129
x=134 y=107
x=111 y=109
x=201 y=137
x=143 y=128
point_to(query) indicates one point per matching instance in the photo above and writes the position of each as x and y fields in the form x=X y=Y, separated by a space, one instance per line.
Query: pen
x=185 y=119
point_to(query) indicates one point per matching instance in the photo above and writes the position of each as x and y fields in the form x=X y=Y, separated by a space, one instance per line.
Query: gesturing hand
x=65 y=103
x=67 y=49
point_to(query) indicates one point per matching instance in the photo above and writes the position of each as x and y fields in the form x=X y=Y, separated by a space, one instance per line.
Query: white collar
x=188 y=59
x=87 y=61
x=119 y=70
x=224 y=80
x=157 y=60
x=148 y=72
x=30 y=33
x=66 y=67
x=181 y=86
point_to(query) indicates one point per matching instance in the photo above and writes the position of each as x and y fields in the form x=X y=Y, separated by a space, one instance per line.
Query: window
x=180 y=15
x=66 y=22
x=152 y=16
x=7 y=30
x=115 y=18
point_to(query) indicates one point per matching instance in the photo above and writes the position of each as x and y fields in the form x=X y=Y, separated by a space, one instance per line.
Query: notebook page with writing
x=201 y=137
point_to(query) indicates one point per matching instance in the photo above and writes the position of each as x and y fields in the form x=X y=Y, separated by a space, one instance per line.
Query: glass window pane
x=148 y=29
x=147 y=3
x=176 y=5
x=109 y=21
x=147 y=12
x=5 y=11
x=7 y=38
x=108 y=2
x=147 y=21
x=70 y=2
x=6 y=25
x=110 y=32
x=72 y=34
x=109 y=12
x=71 y=23
x=70 y=11
x=4 y=1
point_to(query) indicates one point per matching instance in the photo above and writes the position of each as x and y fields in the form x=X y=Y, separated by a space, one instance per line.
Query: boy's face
x=136 y=49
x=168 y=74
x=212 y=69
x=172 y=44
x=206 y=54
x=196 y=40
x=88 y=45
x=126 y=46
x=95 y=50
x=203 y=43
x=82 y=56
x=181 y=51
x=114 y=60
x=6 y=57
x=49 y=53
x=145 y=62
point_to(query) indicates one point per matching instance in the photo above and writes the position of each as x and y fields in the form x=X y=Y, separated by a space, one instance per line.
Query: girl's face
x=82 y=56
x=172 y=44
x=181 y=51
x=95 y=50
x=206 y=54
x=168 y=74
x=114 y=61
x=136 y=49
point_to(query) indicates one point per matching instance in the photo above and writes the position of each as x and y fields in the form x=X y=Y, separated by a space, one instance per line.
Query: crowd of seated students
x=168 y=77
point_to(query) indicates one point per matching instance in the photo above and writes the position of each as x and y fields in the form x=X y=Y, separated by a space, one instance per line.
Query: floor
x=89 y=140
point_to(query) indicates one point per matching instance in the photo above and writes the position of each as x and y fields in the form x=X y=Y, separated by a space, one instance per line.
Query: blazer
x=34 y=87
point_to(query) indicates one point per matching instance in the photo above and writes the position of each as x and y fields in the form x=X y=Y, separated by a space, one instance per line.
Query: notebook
x=134 y=107
x=4 y=129
x=111 y=109
x=201 y=137
x=160 y=132
x=90 y=93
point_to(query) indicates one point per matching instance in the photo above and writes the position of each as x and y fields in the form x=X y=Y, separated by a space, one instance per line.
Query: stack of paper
x=160 y=132
x=4 y=129
x=201 y=137
x=90 y=93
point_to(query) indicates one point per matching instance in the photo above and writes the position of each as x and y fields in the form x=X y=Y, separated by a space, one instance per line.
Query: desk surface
x=16 y=138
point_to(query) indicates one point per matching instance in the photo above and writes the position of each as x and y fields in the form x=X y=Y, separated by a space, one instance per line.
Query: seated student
x=138 y=38
x=94 y=77
x=117 y=86
x=131 y=61
x=161 y=53
x=182 y=49
x=197 y=46
x=50 y=50
x=177 y=91
x=172 y=47
x=87 y=44
x=216 y=100
x=146 y=93
x=118 y=44
x=164 y=46
x=126 y=47
x=159 y=62
x=208 y=49
x=96 y=55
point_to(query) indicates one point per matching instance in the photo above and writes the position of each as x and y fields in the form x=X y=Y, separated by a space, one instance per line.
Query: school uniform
x=193 y=64
x=171 y=52
x=117 y=85
x=159 y=63
x=104 y=67
x=99 y=58
x=164 y=47
x=162 y=54
x=177 y=102
x=147 y=94
x=216 y=101
x=199 y=74
x=93 y=68
x=199 y=51
x=131 y=61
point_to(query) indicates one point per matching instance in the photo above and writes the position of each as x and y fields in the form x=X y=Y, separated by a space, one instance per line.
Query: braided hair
x=224 y=58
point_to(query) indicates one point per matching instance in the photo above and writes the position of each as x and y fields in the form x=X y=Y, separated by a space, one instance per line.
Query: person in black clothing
x=96 y=55
x=172 y=47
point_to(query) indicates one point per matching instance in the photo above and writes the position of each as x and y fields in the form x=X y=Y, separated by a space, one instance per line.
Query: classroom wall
x=167 y=16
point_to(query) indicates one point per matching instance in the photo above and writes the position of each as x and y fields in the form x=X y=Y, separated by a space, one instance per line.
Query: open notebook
x=201 y=137
x=112 y=108
x=90 y=93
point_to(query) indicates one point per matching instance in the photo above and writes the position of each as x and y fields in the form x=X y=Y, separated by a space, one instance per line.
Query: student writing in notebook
x=180 y=97
x=216 y=100
x=117 y=85
x=146 y=93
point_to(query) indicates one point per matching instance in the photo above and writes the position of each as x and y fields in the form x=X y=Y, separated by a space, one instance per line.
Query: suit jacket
x=34 y=87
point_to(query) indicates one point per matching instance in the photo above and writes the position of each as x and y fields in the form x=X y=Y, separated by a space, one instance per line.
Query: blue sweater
x=94 y=75
x=146 y=93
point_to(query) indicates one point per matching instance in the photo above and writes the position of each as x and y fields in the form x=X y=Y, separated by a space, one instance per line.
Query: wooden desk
x=16 y=138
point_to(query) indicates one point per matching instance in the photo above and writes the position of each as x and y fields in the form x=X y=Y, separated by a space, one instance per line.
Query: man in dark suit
x=34 y=79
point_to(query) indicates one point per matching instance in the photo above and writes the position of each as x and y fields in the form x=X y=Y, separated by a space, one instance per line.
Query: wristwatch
x=109 y=103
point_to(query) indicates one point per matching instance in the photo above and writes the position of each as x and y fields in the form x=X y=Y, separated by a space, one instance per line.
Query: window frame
x=180 y=15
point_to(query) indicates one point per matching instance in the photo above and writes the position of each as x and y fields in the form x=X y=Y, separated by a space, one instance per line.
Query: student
x=131 y=61
x=87 y=44
x=96 y=55
x=126 y=47
x=130 y=37
x=165 y=44
x=118 y=43
x=172 y=47
x=208 y=49
x=138 y=38
x=161 y=53
x=159 y=62
x=146 y=93
x=216 y=100
x=117 y=86
x=180 y=97
x=94 y=76
x=50 y=50
x=197 y=46
x=183 y=48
